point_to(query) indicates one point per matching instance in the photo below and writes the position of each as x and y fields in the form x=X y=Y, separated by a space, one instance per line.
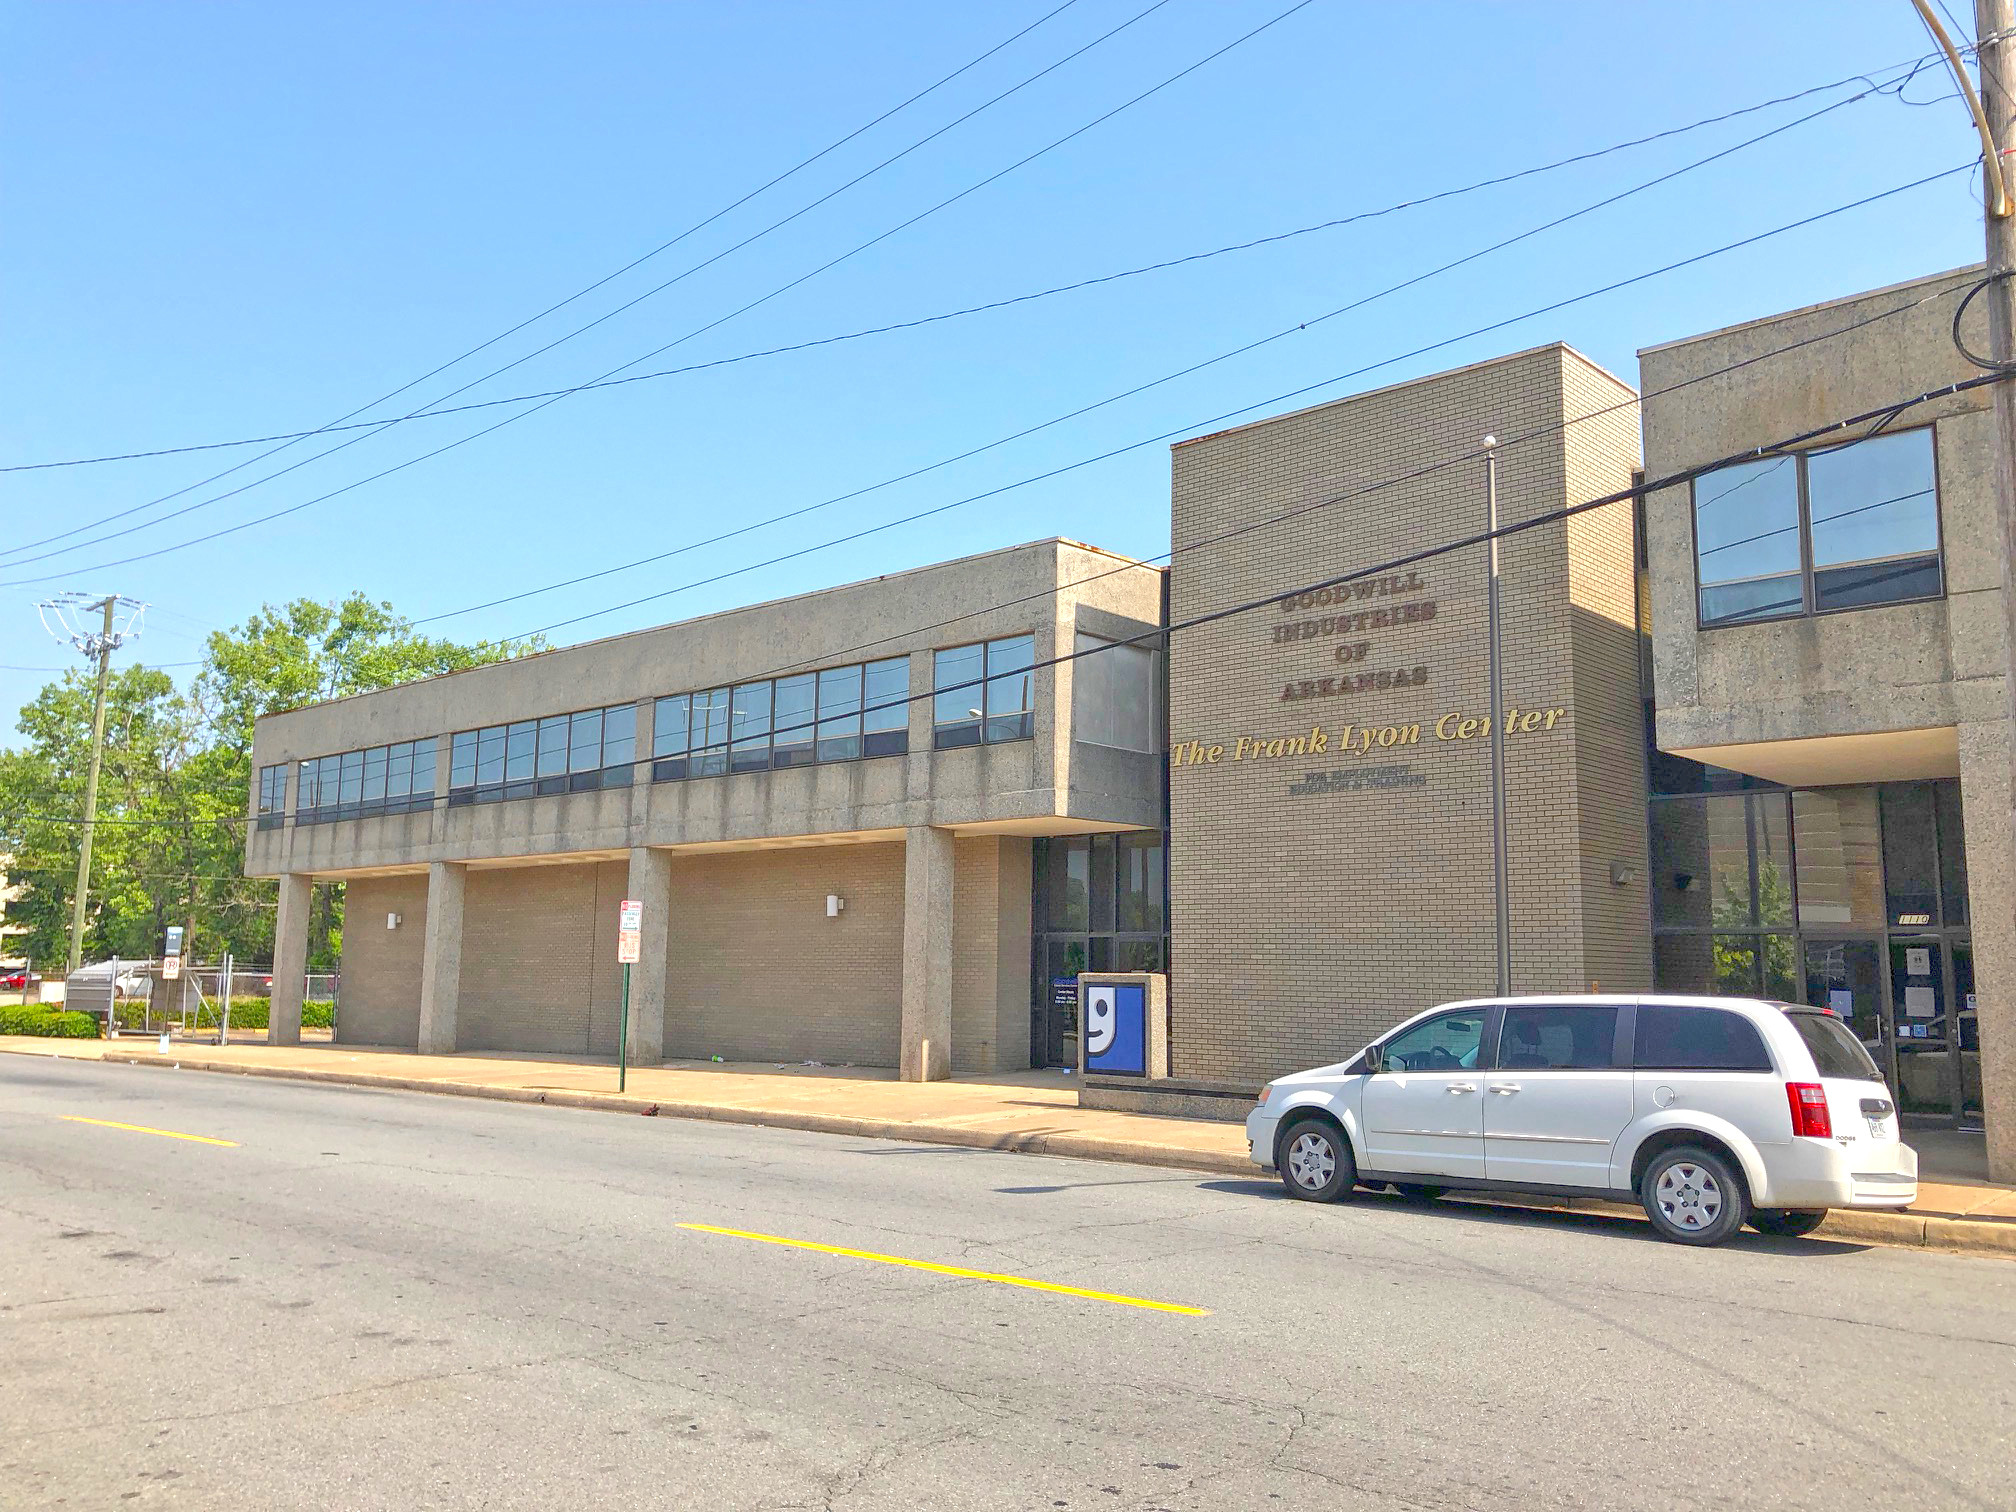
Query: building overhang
x=1831 y=760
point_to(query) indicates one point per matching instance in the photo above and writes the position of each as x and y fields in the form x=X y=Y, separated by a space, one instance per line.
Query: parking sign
x=630 y=932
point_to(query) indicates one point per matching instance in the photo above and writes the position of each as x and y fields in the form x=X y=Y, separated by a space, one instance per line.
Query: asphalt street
x=390 y=1300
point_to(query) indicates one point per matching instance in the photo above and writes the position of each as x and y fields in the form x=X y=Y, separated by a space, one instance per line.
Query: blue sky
x=234 y=219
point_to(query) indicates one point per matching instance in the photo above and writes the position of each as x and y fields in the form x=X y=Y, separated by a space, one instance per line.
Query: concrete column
x=1985 y=813
x=651 y=885
x=927 y=954
x=441 y=965
x=290 y=959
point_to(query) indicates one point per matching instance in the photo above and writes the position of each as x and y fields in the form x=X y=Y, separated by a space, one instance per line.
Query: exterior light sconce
x=834 y=903
x=392 y=921
x=1622 y=874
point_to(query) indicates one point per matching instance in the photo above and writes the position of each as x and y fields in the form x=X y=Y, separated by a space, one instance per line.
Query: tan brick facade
x=1341 y=878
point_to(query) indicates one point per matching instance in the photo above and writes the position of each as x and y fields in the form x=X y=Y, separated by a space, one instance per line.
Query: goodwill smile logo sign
x=1116 y=1029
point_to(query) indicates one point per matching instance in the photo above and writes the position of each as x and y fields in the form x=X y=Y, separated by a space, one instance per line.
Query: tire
x=1315 y=1160
x=1414 y=1191
x=1694 y=1196
x=1788 y=1223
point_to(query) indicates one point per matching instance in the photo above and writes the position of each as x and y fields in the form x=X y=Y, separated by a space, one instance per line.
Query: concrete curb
x=1896 y=1230
x=1071 y=1146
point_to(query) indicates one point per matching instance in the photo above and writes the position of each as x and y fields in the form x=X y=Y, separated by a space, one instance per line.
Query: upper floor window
x=835 y=715
x=272 y=796
x=562 y=753
x=984 y=692
x=1841 y=527
x=387 y=779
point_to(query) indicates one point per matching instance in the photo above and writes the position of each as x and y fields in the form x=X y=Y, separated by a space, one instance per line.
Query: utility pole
x=91 y=787
x=1500 y=847
x=98 y=643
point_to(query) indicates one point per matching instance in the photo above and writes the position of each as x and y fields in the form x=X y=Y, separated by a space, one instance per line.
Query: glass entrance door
x=1921 y=1027
x=1968 y=1033
x=1055 y=1019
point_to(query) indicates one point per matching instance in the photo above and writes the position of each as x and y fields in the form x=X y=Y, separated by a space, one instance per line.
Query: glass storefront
x=1102 y=904
x=1850 y=898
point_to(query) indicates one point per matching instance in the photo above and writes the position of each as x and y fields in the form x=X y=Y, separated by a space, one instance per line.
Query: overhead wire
x=1195 y=426
x=744 y=309
x=1004 y=303
x=691 y=230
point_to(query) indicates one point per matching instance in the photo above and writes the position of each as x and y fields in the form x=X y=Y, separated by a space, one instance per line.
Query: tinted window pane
x=1836 y=1052
x=1873 y=509
x=957 y=674
x=619 y=735
x=840 y=714
x=1840 y=850
x=1701 y=862
x=1746 y=536
x=1558 y=1039
x=710 y=732
x=462 y=760
x=1448 y=1042
x=1910 y=853
x=423 y=768
x=584 y=741
x=1011 y=688
x=749 y=727
x=521 y=750
x=375 y=761
x=792 y=716
x=668 y=727
x=886 y=715
x=553 y=734
x=1069 y=894
x=1952 y=852
x=398 y=771
x=1697 y=1039
x=1140 y=883
x=351 y=777
x=490 y=756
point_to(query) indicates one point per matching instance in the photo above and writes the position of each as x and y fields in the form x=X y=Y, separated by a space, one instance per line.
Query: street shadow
x=1458 y=1208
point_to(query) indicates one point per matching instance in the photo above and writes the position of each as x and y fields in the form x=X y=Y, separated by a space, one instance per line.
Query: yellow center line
x=106 y=1123
x=954 y=1270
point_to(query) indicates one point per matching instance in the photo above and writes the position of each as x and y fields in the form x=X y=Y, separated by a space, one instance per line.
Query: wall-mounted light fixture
x=834 y=903
x=391 y=921
x=1622 y=874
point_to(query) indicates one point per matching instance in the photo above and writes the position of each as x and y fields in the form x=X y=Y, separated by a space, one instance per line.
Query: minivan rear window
x=1836 y=1052
x=1672 y=1038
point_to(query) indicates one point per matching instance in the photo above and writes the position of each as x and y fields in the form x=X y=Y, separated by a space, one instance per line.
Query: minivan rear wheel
x=1693 y=1196
x=1315 y=1161
x=1788 y=1223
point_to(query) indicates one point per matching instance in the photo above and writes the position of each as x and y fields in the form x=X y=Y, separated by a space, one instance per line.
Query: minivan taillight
x=1810 y=1118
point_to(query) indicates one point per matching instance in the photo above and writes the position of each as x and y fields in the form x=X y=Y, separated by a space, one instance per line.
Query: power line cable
x=1393 y=564
x=474 y=382
x=1196 y=426
x=998 y=304
x=697 y=226
x=1184 y=372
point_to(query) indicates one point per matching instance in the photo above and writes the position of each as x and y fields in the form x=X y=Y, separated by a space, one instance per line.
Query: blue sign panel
x=1116 y=1029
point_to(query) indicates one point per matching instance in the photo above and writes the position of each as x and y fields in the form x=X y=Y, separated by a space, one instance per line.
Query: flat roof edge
x=1971 y=270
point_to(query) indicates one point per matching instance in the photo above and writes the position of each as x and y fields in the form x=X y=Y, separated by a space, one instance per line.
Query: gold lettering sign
x=1453 y=728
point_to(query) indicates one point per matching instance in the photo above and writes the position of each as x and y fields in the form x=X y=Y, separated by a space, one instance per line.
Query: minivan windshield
x=1835 y=1051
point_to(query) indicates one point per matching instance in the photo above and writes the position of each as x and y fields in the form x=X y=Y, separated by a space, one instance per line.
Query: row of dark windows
x=1575 y=1037
x=562 y=753
x=387 y=779
x=840 y=714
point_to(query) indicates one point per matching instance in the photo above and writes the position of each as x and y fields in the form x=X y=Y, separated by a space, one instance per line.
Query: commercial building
x=1831 y=811
x=1754 y=738
x=828 y=805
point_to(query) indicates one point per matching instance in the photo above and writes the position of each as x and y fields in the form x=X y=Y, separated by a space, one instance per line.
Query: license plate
x=1879 y=1128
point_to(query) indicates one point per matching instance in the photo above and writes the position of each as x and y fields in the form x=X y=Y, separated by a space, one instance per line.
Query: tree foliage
x=176 y=780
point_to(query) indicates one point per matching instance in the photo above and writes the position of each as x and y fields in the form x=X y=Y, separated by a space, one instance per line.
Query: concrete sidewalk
x=1032 y=1112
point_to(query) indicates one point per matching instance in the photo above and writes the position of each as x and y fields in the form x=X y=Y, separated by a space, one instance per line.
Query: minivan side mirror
x=1375 y=1060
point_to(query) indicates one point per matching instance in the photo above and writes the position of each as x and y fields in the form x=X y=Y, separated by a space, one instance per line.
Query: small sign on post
x=629 y=950
x=171 y=968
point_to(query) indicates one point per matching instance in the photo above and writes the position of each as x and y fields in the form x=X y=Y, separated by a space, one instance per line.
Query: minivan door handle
x=1504 y=1089
x=1462 y=1086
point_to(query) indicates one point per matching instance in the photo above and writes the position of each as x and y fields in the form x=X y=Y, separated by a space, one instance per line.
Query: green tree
x=176 y=785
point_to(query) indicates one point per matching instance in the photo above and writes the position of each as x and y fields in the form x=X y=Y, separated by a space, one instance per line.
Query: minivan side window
x=1671 y=1038
x=1447 y=1042
x=1549 y=1038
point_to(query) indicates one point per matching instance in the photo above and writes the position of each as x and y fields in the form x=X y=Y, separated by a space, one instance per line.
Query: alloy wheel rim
x=1311 y=1161
x=1689 y=1196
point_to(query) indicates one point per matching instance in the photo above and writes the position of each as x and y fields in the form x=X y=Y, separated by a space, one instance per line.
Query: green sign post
x=629 y=940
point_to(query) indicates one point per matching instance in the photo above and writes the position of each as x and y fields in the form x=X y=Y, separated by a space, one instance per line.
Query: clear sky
x=227 y=220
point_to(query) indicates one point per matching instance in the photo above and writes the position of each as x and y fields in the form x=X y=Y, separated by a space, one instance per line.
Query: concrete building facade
x=827 y=806
x=1831 y=810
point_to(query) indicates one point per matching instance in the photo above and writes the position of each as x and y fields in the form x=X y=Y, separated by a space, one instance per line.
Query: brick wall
x=1321 y=892
x=991 y=905
x=381 y=967
x=539 y=968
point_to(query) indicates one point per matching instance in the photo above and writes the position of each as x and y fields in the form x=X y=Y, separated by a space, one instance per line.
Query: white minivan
x=1710 y=1111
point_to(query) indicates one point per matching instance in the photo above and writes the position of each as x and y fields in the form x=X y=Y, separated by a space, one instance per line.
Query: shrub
x=254 y=1013
x=49 y=1023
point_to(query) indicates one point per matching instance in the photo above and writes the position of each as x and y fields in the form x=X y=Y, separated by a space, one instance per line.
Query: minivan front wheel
x=1315 y=1161
x=1693 y=1196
